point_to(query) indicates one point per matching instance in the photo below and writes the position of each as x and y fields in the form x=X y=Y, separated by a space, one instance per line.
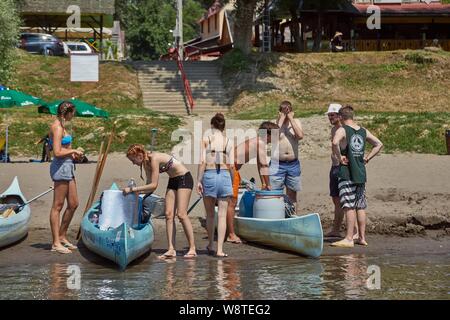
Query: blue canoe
x=299 y=234
x=15 y=227
x=120 y=245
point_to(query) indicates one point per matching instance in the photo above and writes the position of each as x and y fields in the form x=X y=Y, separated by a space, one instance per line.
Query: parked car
x=77 y=47
x=41 y=43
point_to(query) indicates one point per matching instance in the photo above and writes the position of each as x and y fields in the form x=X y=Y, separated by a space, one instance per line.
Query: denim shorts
x=62 y=169
x=217 y=184
x=287 y=174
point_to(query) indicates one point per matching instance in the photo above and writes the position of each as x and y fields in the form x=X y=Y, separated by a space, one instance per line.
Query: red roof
x=215 y=8
x=408 y=8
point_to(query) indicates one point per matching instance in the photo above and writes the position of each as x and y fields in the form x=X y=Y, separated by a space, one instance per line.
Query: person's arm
x=377 y=146
x=338 y=137
x=263 y=166
x=149 y=187
x=281 y=118
x=201 y=168
x=296 y=125
x=58 y=151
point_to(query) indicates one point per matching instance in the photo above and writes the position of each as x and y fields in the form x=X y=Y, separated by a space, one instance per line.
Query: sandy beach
x=408 y=197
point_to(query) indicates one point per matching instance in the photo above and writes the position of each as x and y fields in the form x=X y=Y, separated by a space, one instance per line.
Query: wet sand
x=408 y=197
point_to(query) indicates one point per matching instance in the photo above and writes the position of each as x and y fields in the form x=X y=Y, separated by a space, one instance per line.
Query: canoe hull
x=14 y=228
x=121 y=245
x=302 y=235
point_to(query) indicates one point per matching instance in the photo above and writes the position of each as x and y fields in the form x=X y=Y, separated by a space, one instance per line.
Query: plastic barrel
x=269 y=204
x=246 y=204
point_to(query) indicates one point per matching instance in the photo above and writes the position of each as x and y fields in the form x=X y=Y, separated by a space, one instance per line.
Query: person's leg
x=72 y=205
x=170 y=204
x=361 y=217
x=210 y=203
x=222 y=225
x=59 y=195
x=338 y=217
x=231 y=235
x=183 y=197
x=231 y=211
x=293 y=181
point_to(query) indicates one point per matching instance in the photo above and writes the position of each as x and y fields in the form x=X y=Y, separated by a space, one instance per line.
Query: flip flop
x=190 y=255
x=343 y=244
x=221 y=256
x=167 y=256
x=69 y=246
x=62 y=250
x=239 y=241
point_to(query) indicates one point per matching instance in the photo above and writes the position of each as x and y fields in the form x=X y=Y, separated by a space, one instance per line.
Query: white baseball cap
x=334 y=108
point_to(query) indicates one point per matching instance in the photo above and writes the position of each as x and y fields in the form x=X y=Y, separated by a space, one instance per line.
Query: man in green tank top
x=349 y=144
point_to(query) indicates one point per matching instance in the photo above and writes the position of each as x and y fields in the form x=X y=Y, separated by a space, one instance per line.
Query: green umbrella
x=82 y=109
x=13 y=98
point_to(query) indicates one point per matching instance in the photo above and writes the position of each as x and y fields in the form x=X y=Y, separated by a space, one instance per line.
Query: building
x=405 y=24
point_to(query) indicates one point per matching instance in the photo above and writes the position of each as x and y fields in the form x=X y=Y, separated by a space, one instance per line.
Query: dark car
x=41 y=43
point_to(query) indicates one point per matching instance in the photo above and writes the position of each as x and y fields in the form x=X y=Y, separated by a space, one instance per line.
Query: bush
x=9 y=33
x=418 y=58
x=235 y=61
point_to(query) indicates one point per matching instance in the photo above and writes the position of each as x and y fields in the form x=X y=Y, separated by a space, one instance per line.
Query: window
x=82 y=48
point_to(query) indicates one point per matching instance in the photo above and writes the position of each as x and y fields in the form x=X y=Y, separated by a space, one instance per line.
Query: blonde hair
x=134 y=150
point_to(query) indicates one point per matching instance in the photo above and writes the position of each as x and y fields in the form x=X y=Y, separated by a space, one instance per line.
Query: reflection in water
x=228 y=280
x=338 y=277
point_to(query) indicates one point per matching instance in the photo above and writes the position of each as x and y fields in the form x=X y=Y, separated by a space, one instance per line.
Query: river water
x=332 y=277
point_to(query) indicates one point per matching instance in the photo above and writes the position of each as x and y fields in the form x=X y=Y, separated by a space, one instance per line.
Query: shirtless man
x=349 y=145
x=285 y=167
x=243 y=153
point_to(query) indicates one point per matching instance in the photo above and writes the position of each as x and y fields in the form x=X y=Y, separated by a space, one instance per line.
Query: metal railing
x=186 y=84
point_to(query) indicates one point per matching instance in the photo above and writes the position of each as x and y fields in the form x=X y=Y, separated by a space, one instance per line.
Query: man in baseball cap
x=333 y=116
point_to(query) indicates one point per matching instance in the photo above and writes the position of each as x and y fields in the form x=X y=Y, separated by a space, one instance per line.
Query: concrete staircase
x=162 y=87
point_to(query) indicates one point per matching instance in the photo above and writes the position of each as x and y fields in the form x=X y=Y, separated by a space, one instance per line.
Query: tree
x=243 y=24
x=147 y=25
x=293 y=7
x=9 y=34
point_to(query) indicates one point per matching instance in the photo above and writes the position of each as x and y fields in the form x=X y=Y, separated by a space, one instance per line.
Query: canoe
x=121 y=245
x=15 y=227
x=302 y=234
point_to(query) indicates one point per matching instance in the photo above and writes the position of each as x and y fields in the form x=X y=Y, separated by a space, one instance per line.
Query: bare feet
x=171 y=253
x=221 y=255
x=361 y=242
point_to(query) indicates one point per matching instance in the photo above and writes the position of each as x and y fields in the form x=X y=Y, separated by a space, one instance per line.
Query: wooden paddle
x=98 y=173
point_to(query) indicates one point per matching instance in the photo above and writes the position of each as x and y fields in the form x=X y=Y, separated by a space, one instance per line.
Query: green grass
x=410 y=132
x=117 y=92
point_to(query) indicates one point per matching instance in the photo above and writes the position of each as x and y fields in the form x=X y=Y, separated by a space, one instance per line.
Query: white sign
x=84 y=67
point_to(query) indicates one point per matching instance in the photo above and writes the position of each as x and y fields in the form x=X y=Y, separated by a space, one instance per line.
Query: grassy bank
x=404 y=96
x=117 y=92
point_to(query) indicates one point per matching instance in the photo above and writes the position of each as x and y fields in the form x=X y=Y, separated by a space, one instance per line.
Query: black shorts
x=181 y=182
x=334 y=183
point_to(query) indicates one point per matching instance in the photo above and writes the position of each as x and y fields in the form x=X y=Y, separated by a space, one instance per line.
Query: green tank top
x=355 y=171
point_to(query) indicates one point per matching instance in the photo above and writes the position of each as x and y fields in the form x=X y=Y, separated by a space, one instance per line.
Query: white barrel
x=269 y=205
x=117 y=209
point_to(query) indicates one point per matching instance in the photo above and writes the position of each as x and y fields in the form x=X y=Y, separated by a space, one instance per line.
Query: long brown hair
x=136 y=149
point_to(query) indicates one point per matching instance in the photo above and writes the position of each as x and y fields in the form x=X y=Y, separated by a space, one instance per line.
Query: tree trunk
x=243 y=25
x=298 y=39
x=318 y=36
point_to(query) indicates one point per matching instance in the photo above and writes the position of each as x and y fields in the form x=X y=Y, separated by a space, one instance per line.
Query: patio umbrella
x=13 y=98
x=82 y=109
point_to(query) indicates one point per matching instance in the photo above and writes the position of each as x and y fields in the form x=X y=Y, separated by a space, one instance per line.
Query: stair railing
x=186 y=84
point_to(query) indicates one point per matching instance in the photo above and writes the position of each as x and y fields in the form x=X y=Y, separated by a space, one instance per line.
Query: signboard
x=84 y=67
